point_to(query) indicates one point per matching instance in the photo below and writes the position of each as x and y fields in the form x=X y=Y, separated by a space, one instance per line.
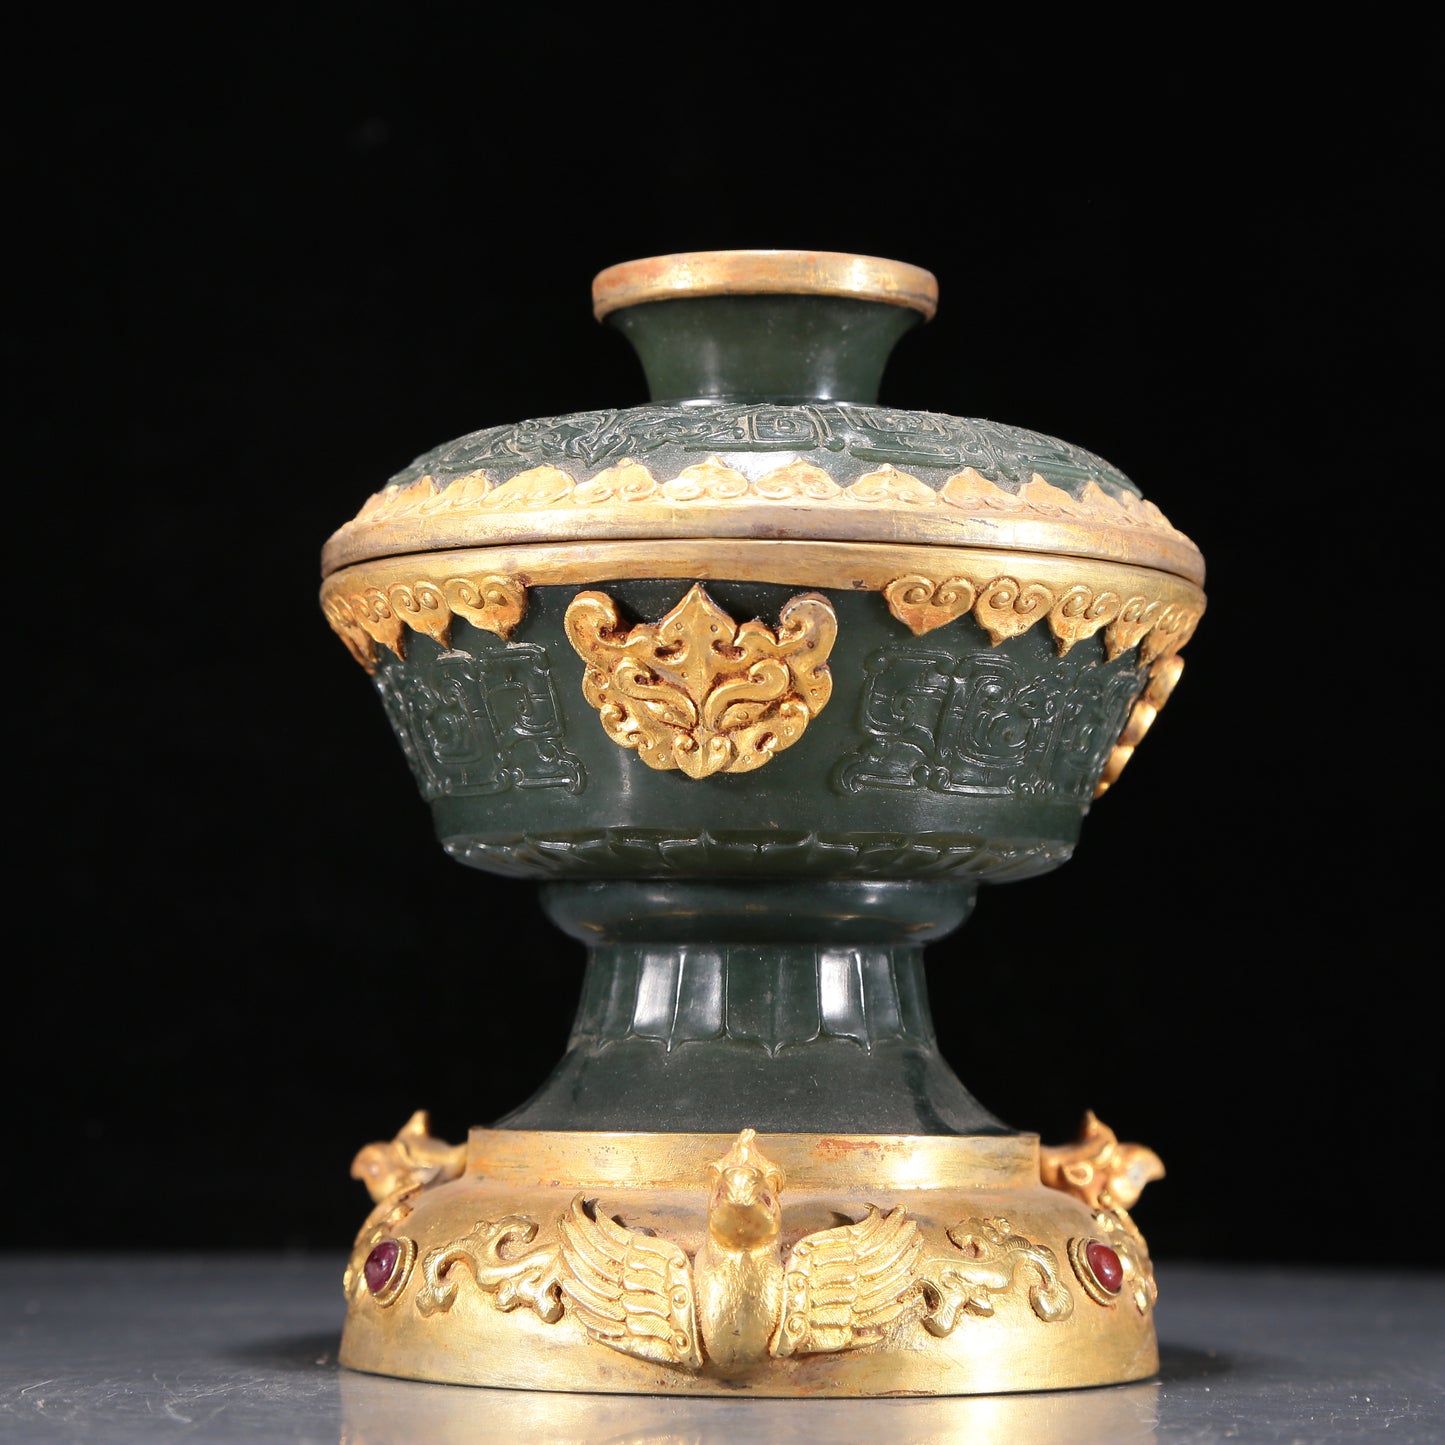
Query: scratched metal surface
x=128 y=1348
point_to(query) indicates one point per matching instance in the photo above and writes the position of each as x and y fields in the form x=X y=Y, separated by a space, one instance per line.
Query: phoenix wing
x=842 y=1287
x=629 y=1291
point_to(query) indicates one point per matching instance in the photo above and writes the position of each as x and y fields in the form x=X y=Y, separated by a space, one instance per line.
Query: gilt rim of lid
x=764 y=273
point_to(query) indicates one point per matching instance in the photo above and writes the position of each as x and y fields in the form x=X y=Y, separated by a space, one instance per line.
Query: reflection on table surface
x=144 y=1349
x=377 y=1411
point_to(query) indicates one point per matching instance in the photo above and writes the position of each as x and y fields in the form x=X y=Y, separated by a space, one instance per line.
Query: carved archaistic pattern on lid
x=868 y=434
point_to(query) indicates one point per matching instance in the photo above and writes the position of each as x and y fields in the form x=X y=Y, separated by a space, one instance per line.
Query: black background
x=269 y=262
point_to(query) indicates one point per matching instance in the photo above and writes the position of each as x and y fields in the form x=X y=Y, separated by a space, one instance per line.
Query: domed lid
x=764 y=368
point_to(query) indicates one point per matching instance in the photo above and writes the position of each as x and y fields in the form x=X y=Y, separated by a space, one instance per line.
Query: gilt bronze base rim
x=902 y=1265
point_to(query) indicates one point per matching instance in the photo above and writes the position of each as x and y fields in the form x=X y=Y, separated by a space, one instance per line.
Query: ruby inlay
x=1105 y=1263
x=381 y=1265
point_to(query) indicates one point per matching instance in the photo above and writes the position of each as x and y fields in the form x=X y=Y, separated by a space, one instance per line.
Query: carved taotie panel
x=983 y=724
x=470 y=726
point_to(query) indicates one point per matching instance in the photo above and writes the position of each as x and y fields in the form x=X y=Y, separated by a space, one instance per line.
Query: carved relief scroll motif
x=995 y=451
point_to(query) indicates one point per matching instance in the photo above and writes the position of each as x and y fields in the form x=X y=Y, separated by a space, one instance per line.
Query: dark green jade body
x=756 y=937
x=786 y=349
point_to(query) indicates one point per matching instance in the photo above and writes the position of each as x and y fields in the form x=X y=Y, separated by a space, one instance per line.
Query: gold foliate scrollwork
x=970 y=491
x=1135 y=620
x=1079 y=612
x=423 y=498
x=366 y=615
x=923 y=603
x=993 y=1263
x=630 y=483
x=1007 y=605
x=529 y=1279
x=697 y=691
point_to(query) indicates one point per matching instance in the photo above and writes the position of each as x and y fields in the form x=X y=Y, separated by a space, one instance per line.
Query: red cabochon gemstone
x=381 y=1265
x=1106 y=1266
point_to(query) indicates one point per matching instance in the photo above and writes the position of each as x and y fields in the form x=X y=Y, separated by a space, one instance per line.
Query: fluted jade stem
x=710 y=1007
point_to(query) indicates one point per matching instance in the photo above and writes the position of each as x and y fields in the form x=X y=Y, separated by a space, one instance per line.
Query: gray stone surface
x=224 y=1348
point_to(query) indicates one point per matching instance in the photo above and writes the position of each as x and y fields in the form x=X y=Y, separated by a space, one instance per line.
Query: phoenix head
x=743 y=1211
